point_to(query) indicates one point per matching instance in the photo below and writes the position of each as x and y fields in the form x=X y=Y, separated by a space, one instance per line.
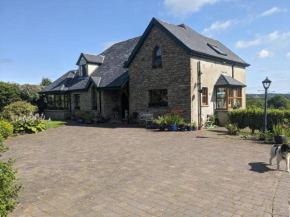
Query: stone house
x=170 y=67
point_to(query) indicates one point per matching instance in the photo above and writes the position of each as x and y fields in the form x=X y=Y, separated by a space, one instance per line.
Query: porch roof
x=228 y=81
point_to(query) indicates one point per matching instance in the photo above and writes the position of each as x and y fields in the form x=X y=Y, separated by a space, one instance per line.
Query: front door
x=125 y=104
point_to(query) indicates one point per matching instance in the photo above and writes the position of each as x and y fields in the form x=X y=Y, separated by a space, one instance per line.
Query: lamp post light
x=266 y=84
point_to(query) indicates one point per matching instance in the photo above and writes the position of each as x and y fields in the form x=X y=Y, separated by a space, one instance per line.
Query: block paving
x=115 y=170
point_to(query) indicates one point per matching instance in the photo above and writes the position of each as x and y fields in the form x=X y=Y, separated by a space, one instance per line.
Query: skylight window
x=217 y=49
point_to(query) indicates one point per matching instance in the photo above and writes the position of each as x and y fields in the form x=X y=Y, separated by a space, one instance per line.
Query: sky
x=41 y=38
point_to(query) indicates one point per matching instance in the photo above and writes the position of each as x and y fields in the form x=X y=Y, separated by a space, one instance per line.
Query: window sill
x=204 y=105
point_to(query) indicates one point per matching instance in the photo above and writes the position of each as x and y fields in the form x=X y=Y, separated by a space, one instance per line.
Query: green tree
x=29 y=93
x=9 y=93
x=279 y=102
x=45 y=82
x=255 y=103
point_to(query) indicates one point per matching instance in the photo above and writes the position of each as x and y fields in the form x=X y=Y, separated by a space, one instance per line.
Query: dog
x=281 y=153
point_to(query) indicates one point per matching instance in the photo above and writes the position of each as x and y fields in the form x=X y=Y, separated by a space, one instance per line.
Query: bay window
x=228 y=98
x=57 y=101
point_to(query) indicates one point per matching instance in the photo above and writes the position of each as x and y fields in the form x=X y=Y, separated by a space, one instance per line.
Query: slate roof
x=228 y=81
x=92 y=58
x=193 y=42
x=109 y=75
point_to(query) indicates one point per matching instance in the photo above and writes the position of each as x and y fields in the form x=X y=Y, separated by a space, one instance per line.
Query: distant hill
x=262 y=95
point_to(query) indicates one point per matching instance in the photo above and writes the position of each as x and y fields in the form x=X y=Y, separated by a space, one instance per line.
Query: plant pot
x=80 y=121
x=182 y=129
x=156 y=126
x=194 y=128
x=189 y=128
x=279 y=139
x=161 y=128
x=172 y=128
x=199 y=127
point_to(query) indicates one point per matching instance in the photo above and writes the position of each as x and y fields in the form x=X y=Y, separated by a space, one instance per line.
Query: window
x=221 y=98
x=235 y=98
x=217 y=49
x=94 y=98
x=57 y=101
x=158 y=98
x=157 y=61
x=204 y=96
x=83 y=71
x=228 y=98
x=77 y=101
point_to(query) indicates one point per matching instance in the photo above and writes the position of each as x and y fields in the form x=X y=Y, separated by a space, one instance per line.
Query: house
x=169 y=67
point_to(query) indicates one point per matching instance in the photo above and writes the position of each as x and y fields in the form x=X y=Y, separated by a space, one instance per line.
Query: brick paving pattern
x=127 y=171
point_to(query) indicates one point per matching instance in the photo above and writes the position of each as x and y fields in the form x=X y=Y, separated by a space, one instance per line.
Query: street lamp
x=266 y=84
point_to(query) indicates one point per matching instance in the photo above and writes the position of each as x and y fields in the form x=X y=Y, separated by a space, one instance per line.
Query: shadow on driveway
x=260 y=167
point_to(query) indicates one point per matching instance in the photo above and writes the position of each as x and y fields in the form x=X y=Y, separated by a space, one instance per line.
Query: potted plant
x=199 y=127
x=279 y=133
x=156 y=124
x=171 y=123
x=194 y=127
x=161 y=123
x=188 y=127
x=181 y=126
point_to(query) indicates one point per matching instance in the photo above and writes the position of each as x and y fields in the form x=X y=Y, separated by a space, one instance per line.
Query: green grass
x=54 y=124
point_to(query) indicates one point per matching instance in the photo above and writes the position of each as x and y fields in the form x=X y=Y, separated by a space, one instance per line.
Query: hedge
x=254 y=118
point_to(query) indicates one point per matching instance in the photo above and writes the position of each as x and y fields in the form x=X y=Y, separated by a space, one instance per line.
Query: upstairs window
x=217 y=49
x=83 y=70
x=157 y=61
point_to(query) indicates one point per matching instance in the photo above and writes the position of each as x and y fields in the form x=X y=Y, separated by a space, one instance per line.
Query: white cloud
x=272 y=11
x=183 y=8
x=108 y=44
x=288 y=55
x=264 y=54
x=245 y=44
x=218 y=26
x=274 y=37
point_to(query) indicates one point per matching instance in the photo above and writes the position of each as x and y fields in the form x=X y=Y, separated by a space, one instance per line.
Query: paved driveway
x=107 y=171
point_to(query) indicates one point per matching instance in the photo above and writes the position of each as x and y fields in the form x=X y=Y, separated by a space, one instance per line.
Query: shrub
x=17 y=109
x=232 y=129
x=6 y=129
x=8 y=188
x=9 y=93
x=31 y=124
x=254 y=118
x=278 y=130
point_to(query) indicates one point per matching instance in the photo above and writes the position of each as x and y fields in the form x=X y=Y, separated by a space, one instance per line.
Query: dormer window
x=157 y=61
x=83 y=70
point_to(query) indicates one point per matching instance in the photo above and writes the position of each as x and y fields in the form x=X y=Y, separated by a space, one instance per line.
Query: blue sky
x=41 y=38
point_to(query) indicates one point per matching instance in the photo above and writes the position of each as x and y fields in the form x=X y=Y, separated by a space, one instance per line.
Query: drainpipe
x=233 y=70
x=199 y=73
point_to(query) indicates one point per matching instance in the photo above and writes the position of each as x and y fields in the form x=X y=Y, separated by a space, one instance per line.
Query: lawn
x=54 y=124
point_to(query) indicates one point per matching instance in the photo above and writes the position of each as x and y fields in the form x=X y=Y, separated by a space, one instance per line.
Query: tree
x=279 y=102
x=29 y=93
x=45 y=82
x=9 y=93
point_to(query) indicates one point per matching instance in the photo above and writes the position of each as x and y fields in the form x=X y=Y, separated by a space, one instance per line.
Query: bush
x=9 y=93
x=18 y=108
x=254 y=118
x=232 y=129
x=6 y=129
x=31 y=124
x=8 y=188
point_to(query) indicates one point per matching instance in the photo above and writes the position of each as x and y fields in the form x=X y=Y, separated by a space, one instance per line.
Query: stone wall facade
x=174 y=75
